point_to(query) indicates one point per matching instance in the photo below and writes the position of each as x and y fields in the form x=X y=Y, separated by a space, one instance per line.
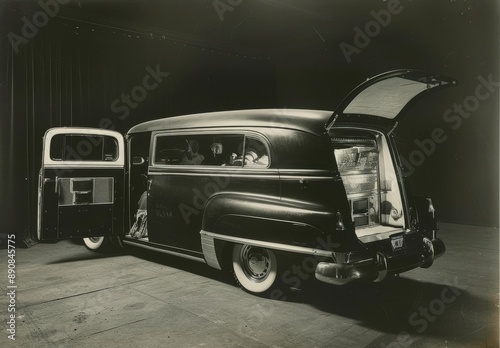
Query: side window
x=211 y=150
x=169 y=150
x=256 y=153
x=76 y=147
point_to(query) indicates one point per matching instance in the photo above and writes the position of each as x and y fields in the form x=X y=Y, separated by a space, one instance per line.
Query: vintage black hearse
x=254 y=190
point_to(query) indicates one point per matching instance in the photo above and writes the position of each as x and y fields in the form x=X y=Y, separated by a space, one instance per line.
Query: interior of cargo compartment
x=370 y=181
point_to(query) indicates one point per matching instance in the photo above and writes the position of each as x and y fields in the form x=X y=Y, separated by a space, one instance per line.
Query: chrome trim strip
x=271 y=175
x=269 y=245
x=200 y=168
x=208 y=247
x=239 y=175
x=306 y=177
x=193 y=258
x=81 y=205
x=298 y=171
x=207 y=169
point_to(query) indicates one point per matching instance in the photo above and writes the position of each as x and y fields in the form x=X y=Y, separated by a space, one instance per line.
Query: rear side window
x=234 y=150
x=76 y=147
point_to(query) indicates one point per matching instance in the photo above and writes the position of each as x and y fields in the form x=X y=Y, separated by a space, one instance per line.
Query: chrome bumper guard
x=377 y=268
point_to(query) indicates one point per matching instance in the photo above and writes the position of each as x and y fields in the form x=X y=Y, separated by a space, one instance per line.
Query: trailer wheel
x=102 y=244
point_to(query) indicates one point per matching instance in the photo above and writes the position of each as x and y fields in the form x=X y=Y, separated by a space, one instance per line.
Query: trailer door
x=81 y=184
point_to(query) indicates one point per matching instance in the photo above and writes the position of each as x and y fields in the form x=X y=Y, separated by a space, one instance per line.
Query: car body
x=257 y=191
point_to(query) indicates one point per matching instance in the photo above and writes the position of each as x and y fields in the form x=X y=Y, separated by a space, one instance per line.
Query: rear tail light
x=339 y=224
x=431 y=207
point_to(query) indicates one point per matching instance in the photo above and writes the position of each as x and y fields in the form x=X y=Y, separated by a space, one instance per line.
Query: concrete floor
x=70 y=297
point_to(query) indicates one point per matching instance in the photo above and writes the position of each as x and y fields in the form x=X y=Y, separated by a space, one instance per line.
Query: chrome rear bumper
x=380 y=265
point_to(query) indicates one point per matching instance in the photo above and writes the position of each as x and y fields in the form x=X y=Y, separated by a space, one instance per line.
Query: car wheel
x=94 y=243
x=102 y=244
x=255 y=268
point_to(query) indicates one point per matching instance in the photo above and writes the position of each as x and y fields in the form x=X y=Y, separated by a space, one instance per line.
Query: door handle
x=149 y=183
x=303 y=183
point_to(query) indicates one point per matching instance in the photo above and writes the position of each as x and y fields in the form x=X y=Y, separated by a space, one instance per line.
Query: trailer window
x=76 y=147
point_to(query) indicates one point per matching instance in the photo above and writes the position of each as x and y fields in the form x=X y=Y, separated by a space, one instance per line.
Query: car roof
x=311 y=121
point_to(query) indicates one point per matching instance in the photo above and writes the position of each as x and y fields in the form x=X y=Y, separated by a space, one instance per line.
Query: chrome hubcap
x=256 y=263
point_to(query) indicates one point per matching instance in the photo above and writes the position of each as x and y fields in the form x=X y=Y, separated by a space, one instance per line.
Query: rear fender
x=266 y=218
x=288 y=226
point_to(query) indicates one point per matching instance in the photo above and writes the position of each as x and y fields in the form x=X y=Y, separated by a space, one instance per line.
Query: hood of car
x=384 y=99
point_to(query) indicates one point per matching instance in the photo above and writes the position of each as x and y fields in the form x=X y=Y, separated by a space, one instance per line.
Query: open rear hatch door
x=384 y=99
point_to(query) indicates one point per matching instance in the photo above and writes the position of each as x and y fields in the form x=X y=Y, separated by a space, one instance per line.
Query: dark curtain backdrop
x=70 y=73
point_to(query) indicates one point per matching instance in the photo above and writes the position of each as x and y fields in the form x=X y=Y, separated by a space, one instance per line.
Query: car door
x=81 y=184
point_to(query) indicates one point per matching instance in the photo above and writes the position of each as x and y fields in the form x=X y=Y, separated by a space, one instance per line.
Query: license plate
x=397 y=242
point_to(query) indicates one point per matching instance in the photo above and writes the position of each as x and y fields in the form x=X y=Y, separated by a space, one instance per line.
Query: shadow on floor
x=404 y=309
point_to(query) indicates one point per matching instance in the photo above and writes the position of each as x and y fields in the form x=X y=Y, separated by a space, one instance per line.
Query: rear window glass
x=77 y=147
x=211 y=150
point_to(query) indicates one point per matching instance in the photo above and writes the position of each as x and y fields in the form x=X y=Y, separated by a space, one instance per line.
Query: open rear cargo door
x=384 y=99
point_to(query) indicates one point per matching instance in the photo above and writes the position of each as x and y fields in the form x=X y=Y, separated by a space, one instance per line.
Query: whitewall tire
x=107 y=244
x=94 y=243
x=255 y=268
